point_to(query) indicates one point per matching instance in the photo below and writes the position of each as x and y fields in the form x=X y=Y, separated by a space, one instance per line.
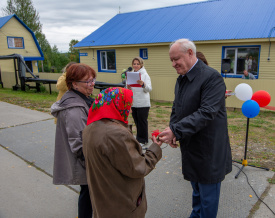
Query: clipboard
x=132 y=78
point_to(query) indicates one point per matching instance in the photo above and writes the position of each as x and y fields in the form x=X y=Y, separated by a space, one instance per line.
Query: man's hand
x=174 y=143
x=228 y=93
x=168 y=137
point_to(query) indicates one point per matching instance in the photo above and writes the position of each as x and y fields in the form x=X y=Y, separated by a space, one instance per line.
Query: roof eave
x=224 y=41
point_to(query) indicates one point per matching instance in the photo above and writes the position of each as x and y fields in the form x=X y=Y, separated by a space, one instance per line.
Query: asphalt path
x=26 y=189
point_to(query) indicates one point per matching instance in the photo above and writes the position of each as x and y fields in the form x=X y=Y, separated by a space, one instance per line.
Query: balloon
x=250 y=108
x=262 y=98
x=243 y=92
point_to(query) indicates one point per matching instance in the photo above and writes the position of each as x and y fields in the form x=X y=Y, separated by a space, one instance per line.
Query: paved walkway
x=26 y=189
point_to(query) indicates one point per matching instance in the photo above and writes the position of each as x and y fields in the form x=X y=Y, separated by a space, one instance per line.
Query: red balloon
x=261 y=97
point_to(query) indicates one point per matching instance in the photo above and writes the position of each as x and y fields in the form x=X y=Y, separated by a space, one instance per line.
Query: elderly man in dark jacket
x=199 y=122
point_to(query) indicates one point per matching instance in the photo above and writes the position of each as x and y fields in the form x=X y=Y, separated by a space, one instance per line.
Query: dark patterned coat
x=199 y=122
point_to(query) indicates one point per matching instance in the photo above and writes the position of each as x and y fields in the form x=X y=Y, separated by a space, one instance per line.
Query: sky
x=64 y=20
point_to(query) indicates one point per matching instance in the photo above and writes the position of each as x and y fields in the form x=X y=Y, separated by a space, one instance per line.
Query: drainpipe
x=269 y=36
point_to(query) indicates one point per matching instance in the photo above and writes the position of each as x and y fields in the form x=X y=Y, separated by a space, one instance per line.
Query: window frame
x=12 y=37
x=99 y=60
x=141 y=53
x=235 y=75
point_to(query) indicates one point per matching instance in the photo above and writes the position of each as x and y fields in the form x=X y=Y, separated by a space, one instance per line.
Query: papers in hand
x=132 y=78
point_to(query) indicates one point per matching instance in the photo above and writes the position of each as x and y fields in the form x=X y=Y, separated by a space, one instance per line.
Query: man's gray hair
x=185 y=44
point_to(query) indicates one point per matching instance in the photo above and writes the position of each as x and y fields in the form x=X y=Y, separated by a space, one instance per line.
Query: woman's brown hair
x=201 y=56
x=140 y=60
x=78 y=71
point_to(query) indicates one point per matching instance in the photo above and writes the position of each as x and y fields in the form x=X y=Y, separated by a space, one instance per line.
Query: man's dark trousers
x=205 y=200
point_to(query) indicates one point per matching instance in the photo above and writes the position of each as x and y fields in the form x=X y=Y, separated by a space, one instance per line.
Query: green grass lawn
x=261 y=138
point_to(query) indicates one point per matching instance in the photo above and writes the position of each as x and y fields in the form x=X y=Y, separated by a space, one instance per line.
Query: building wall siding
x=15 y=29
x=163 y=75
x=7 y=66
x=256 y=85
x=163 y=89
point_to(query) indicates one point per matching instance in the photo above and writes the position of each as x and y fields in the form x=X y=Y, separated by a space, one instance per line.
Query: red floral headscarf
x=113 y=103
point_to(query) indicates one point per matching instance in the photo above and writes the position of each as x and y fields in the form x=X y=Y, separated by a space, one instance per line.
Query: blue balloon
x=250 y=108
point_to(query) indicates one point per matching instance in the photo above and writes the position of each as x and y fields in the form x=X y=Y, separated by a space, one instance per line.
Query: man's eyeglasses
x=90 y=81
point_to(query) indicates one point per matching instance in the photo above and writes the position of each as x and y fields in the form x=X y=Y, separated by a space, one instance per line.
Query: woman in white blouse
x=141 y=101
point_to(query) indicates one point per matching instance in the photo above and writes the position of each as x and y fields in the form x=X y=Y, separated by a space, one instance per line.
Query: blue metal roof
x=4 y=20
x=201 y=21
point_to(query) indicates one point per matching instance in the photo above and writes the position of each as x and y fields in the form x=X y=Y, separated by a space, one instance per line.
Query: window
x=239 y=59
x=143 y=53
x=15 y=42
x=106 y=61
x=29 y=64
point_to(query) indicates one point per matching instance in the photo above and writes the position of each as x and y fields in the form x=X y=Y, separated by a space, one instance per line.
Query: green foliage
x=54 y=61
x=234 y=128
x=26 y=12
x=169 y=104
x=43 y=42
x=73 y=53
x=271 y=180
x=58 y=60
x=235 y=114
x=41 y=101
x=42 y=88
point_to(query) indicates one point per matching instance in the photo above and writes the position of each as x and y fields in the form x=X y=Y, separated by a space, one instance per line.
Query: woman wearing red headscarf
x=115 y=164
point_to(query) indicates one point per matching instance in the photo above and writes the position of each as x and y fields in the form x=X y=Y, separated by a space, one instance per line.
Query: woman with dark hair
x=71 y=112
x=201 y=56
x=116 y=165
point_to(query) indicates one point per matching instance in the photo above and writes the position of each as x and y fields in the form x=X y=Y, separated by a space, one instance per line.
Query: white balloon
x=243 y=92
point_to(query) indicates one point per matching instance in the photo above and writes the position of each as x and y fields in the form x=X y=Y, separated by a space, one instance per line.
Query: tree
x=59 y=60
x=73 y=53
x=26 y=12
x=53 y=59
x=43 y=42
